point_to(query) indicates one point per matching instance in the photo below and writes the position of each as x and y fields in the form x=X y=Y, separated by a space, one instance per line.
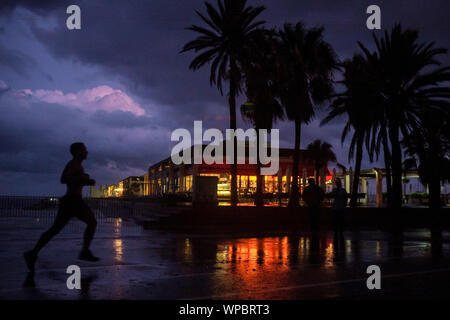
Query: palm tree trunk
x=232 y=105
x=317 y=175
x=435 y=192
x=435 y=170
x=259 y=202
x=387 y=165
x=396 y=167
x=294 y=196
x=359 y=155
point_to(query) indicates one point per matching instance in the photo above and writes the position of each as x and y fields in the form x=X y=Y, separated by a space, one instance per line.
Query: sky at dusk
x=121 y=86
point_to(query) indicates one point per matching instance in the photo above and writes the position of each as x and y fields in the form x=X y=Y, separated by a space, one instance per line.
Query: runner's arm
x=75 y=177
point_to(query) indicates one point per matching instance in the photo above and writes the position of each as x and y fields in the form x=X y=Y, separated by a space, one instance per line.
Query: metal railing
x=46 y=207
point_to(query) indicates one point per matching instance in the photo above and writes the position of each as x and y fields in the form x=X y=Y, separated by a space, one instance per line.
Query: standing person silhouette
x=313 y=196
x=70 y=205
x=339 y=196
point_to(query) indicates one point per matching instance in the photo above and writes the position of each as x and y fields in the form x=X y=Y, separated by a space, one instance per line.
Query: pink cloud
x=99 y=98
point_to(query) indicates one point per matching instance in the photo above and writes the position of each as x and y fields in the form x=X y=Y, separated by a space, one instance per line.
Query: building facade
x=165 y=177
x=133 y=186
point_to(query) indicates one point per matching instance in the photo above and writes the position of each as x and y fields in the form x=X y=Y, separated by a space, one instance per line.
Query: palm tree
x=430 y=143
x=305 y=72
x=409 y=87
x=379 y=124
x=358 y=102
x=223 y=45
x=378 y=116
x=319 y=154
x=262 y=108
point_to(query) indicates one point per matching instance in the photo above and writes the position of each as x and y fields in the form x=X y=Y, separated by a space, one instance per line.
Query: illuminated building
x=167 y=178
x=133 y=186
x=115 y=190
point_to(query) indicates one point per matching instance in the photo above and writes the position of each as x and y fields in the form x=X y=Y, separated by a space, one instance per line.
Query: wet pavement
x=147 y=264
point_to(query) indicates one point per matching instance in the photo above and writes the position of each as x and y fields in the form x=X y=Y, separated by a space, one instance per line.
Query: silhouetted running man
x=339 y=196
x=313 y=196
x=70 y=205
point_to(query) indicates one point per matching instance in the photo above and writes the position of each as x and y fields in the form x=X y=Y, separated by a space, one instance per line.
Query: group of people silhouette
x=313 y=196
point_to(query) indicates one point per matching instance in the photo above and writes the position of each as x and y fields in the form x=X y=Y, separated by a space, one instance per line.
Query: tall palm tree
x=223 y=45
x=379 y=123
x=377 y=115
x=358 y=103
x=306 y=64
x=262 y=108
x=320 y=153
x=430 y=143
x=408 y=86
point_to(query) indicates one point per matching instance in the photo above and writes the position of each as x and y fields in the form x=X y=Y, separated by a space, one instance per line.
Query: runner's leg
x=85 y=214
x=62 y=218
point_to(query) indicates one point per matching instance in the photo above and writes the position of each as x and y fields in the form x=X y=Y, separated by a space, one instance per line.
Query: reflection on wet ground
x=143 y=264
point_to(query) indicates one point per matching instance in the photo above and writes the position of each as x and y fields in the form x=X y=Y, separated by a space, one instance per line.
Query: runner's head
x=78 y=150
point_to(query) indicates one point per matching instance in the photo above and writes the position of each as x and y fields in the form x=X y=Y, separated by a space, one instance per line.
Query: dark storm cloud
x=141 y=40
x=122 y=119
x=41 y=7
x=16 y=60
x=36 y=137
